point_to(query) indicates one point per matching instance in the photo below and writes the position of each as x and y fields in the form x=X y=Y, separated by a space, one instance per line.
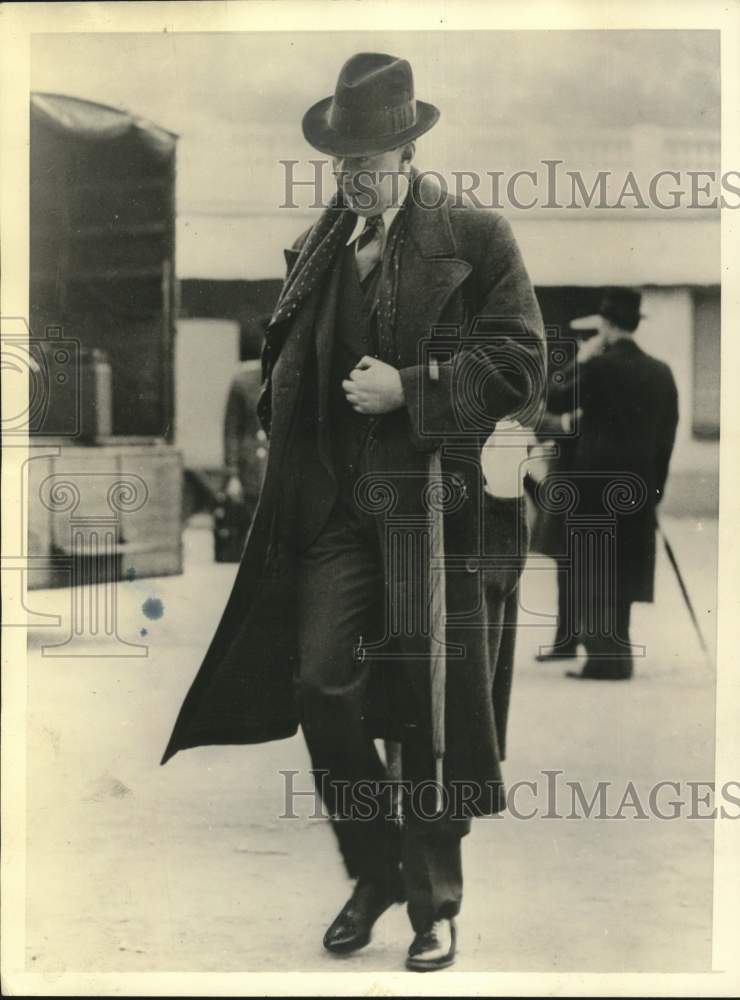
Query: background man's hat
x=372 y=111
x=621 y=306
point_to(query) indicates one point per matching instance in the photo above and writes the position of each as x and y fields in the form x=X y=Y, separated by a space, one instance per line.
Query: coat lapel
x=310 y=329
x=325 y=323
x=291 y=357
x=431 y=271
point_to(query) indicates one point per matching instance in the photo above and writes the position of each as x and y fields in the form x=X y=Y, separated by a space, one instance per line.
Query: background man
x=627 y=425
x=245 y=454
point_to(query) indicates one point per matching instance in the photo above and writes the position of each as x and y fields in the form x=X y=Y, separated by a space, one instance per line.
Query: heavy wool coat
x=460 y=269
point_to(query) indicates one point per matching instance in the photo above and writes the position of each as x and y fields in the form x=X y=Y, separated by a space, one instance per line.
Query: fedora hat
x=621 y=306
x=373 y=109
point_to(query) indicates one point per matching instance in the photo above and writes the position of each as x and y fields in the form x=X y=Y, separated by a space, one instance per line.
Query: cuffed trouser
x=566 y=635
x=603 y=626
x=608 y=649
x=341 y=603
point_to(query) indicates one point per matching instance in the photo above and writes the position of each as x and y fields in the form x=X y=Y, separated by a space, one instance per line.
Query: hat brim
x=318 y=133
x=593 y=322
x=586 y=322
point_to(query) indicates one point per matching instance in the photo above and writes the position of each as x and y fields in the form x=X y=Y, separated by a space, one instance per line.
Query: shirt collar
x=388 y=216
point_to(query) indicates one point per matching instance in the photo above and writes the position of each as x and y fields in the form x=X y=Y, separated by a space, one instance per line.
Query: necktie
x=369 y=247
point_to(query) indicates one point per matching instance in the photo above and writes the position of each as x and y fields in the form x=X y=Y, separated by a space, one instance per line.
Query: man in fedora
x=406 y=324
x=626 y=419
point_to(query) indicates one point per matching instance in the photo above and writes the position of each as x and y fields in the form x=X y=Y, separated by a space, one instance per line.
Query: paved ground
x=133 y=867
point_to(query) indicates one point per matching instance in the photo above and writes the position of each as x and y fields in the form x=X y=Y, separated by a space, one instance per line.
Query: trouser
x=603 y=627
x=341 y=602
x=566 y=634
x=608 y=647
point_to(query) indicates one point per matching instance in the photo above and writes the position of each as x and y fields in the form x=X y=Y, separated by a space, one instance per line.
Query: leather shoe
x=351 y=927
x=434 y=948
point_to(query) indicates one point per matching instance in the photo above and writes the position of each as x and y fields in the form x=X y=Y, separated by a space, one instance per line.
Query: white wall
x=558 y=249
x=206 y=360
x=667 y=333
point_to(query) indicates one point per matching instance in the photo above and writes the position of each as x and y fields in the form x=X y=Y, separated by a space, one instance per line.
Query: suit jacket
x=242 y=444
x=460 y=270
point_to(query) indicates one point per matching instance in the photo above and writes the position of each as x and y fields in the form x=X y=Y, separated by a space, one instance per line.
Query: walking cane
x=437 y=600
x=684 y=591
x=438 y=661
x=394 y=769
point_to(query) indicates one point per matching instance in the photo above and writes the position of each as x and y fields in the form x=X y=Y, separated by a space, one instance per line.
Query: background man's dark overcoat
x=626 y=433
x=457 y=263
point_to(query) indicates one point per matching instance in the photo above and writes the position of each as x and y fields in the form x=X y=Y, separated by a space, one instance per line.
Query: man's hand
x=590 y=348
x=549 y=426
x=373 y=387
x=234 y=489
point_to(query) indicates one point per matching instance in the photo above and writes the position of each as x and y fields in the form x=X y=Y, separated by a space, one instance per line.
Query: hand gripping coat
x=464 y=303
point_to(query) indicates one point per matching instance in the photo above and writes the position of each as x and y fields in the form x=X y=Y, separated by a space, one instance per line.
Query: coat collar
x=628 y=344
x=429 y=218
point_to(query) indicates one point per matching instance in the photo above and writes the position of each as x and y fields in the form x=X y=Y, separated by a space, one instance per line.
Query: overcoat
x=619 y=460
x=462 y=285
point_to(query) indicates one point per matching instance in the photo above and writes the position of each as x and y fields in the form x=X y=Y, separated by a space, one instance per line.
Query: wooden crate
x=128 y=492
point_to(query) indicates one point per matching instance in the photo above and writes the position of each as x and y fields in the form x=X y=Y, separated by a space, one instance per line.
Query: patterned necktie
x=369 y=246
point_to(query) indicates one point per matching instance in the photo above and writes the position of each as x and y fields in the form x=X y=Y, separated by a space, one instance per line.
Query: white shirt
x=503 y=459
x=388 y=216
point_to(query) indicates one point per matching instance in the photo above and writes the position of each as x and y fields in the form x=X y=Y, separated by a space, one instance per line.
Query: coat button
x=472 y=564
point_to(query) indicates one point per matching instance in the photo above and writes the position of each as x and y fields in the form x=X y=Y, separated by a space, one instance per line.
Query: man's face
x=370 y=184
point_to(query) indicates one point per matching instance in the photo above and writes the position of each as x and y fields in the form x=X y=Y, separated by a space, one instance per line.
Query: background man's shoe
x=351 y=927
x=609 y=670
x=557 y=653
x=433 y=949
